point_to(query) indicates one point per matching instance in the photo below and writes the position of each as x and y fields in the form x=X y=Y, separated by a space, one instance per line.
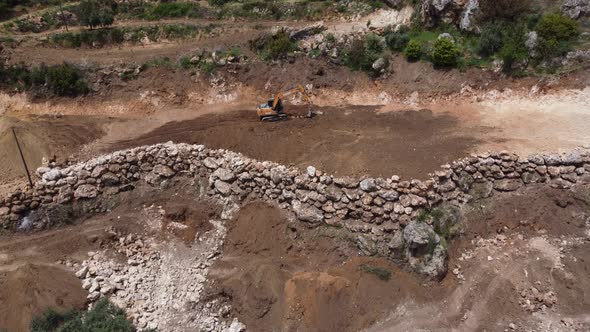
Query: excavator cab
x=273 y=109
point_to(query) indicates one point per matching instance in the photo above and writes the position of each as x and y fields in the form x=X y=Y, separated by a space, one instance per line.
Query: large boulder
x=425 y=250
x=467 y=22
x=461 y=13
x=576 y=8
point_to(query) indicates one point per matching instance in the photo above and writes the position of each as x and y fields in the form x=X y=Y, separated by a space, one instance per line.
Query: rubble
x=161 y=284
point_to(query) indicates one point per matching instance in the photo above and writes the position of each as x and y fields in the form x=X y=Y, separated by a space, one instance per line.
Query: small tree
x=64 y=18
x=514 y=49
x=491 y=39
x=445 y=53
x=413 y=50
x=93 y=13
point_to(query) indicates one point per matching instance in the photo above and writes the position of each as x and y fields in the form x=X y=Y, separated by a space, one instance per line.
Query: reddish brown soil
x=30 y=279
x=342 y=141
x=536 y=208
x=43 y=136
x=30 y=289
x=281 y=276
x=194 y=216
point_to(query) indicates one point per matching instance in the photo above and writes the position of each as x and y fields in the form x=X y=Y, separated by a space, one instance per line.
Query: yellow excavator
x=273 y=109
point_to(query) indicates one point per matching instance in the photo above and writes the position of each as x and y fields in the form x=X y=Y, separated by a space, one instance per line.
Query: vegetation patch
x=364 y=52
x=104 y=316
x=445 y=53
x=381 y=272
x=57 y=80
x=273 y=47
x=133 y=35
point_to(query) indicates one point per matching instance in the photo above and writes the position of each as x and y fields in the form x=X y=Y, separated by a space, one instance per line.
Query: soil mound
x=30 y=289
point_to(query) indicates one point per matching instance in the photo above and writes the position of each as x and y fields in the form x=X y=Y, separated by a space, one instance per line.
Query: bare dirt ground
x=342 y=141
x=512 y=267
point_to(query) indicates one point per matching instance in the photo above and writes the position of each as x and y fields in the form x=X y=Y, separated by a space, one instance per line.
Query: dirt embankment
x=281 y=276
x=342 y=141
x=508 y=270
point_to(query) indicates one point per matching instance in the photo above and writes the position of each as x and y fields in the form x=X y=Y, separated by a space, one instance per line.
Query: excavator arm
x=273 y=110
x=299 y=88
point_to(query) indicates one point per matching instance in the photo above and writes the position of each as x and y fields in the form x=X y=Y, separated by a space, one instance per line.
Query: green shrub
x=558 y=27
x=59 y=80
x=514 y=49
x=381 y=273
x=94 y=13
x=445 y=53
x=363 y=52
x=397 y=40
x=491 y=39
x=104 y=316
x=275 y=47
x=556 y=35
x=330 y=38
x=413 y=50
x=65 y=80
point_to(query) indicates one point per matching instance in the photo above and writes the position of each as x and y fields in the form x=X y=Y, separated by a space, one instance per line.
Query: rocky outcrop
x=576 y=8
x=377 y=208
x=461 y=13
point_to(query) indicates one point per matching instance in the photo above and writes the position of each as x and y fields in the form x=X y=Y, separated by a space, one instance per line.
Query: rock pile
x=161 y=283
x=378 y=208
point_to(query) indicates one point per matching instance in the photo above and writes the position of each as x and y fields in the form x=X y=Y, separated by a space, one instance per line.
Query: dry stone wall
x=375 y=205
x=382 y=213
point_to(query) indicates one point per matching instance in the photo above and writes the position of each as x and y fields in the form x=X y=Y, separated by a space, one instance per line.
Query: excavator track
x=274 y=118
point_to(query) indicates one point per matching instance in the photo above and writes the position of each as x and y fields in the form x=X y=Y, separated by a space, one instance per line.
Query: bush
x=93 y=13
x=557 y=26
x=556 y=35
x=514 y=49
x=397 y=40
x=65 y=80
x=59 y=80
x=445 y=53
x=381 y=273
x=274 y=47
x=104 y=316
x=362 y=53
x=413 y=50
x=491 y=39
